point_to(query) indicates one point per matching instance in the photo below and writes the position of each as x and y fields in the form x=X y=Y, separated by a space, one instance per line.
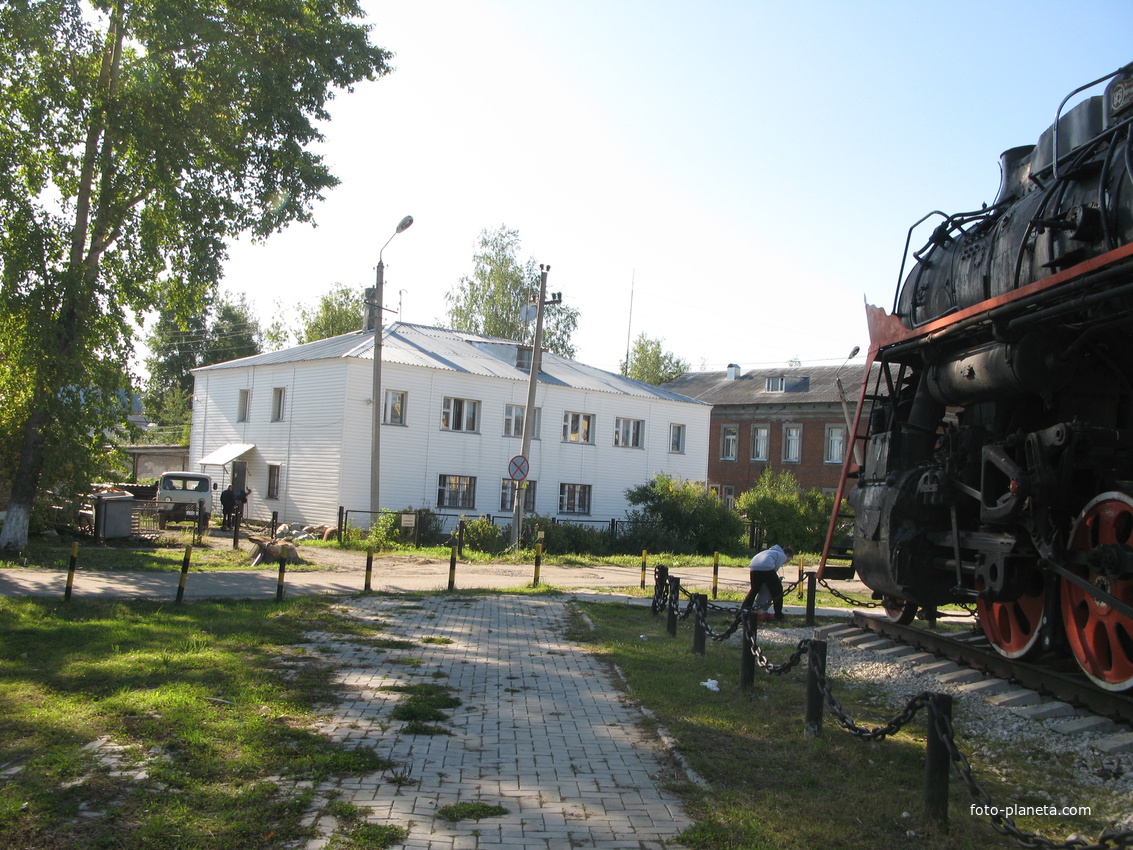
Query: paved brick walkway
x=542 y=732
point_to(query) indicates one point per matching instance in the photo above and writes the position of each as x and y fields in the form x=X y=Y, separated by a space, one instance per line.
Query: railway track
x=973 y=650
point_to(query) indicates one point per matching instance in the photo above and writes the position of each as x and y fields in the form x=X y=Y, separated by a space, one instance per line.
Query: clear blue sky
x=750 y=169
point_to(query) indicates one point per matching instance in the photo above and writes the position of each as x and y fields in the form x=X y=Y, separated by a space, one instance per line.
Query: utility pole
x=532 y=383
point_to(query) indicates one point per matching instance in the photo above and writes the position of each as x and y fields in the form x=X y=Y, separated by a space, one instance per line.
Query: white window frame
x=776 y=384
x=456 y=491
x=507 y=495
x=575 y=499
x=729 y=442
x=513 y=420
x=728 y=496
x=460 y=414
x=395 y=401
x=676 y=439
x=629 y=433
x=834 y=450
x=275 y=481
x=792 y=443
x=760 y=442
x=243 y=405
x=278 y=404
x=578 y=428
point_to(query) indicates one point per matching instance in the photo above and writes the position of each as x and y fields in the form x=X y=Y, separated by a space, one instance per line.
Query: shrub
x=483 y=535
x=785 y=513
x=681 y=517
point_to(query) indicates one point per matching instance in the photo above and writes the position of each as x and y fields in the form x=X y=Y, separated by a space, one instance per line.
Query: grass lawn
x=137 y=724
x=771 y=787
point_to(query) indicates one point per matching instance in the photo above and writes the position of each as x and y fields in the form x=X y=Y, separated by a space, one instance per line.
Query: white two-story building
x=297 y=424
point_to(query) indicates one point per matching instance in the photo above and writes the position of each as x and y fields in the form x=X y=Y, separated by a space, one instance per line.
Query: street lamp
x=374 y=300
x=845 y=407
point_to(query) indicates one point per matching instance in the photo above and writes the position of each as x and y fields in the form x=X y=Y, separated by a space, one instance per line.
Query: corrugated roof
x=457 y=351
x=802 y=385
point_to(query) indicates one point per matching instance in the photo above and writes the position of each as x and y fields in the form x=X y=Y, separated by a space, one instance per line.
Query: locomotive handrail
x=1058 y=112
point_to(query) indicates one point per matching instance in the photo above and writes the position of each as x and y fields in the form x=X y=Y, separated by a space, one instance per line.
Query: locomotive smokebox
x=1035 y=365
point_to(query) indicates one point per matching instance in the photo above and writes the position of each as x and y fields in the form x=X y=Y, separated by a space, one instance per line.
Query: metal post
x=375 y=297
x=538 y=562
x=715 y=574
x=282 y=571
x=369 y=566
x=274 y=522
x=341 y=511
x=699 y=633
x=815 y=663
x=644 y=558
x=184 y=574
x=71 y=571
x=937 y=761
x=460 y=538
x=661 y=580
x=452 y=570
x=237 y=515
x=529 y=408
x=811 y=590
x=747 y=657
x=674 y=602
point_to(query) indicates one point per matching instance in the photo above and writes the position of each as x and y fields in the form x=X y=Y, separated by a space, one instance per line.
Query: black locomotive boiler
x=996 y=433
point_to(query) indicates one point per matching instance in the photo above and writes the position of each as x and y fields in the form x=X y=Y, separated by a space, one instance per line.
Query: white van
x=178 y=493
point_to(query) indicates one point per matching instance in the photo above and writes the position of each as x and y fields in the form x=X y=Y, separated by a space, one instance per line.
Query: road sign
x=518 y=468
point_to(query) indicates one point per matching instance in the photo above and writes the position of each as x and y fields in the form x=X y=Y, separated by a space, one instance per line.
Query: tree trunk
x=14 y=535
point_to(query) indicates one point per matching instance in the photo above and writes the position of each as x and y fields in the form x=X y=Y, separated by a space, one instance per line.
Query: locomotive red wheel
x=1013 y=627
x=1101 y=638
x=900 y=611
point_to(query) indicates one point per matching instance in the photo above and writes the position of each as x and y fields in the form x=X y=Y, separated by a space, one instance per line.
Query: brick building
x=786 y=419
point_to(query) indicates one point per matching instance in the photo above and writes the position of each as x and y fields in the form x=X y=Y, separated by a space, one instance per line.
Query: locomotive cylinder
x=1036 y=365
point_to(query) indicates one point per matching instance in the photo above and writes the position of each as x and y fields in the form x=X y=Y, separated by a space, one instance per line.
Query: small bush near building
x=785 y=513
x=680 y=517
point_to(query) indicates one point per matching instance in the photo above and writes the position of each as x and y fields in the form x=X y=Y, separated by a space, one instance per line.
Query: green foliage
x=386 y=531
x=179 y=343
x=483 y=535
x=649 y=364
x=338 y=312
x=136 y=140
x=491 y=301
x=680 y=517
x=786 y=514
x=562 y=538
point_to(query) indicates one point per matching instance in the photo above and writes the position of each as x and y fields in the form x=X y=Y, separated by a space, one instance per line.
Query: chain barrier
x=777 y=669
x=1005 y=824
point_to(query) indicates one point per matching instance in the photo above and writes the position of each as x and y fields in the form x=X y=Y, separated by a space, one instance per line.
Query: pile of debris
x=282 y=544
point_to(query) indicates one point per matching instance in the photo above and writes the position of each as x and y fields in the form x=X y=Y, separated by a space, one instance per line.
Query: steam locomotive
x=996 y=427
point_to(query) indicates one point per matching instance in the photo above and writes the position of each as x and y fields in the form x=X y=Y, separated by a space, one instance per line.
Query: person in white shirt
x=765 y=573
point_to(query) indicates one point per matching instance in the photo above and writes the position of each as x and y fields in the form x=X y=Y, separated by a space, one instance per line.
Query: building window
x=513 y=420
x=628 y=432
x=456 y=491
x=393 y=409
x=792 y=443
x=835 y=444
x=578 y=427
x=459 y=414
x=574 y=498
x=523 y=357
x=729 y=439
x=507 y=495
x=776 y=384
x=760 y=442
x=677 y=439
x=242 y=405
x=278 y=397
x=728 y=496
x=273 y=481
